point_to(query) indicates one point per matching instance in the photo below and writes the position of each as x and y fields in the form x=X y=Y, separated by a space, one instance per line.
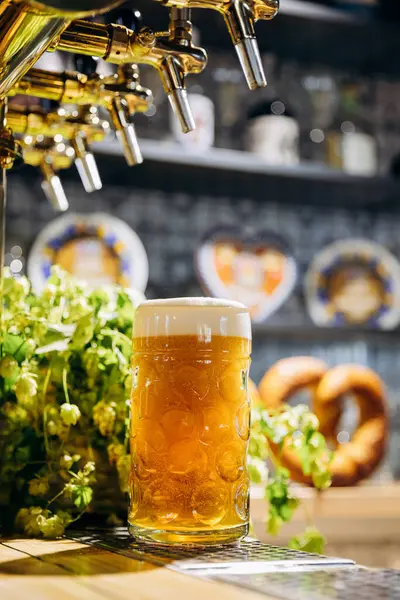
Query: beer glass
x=190 y=421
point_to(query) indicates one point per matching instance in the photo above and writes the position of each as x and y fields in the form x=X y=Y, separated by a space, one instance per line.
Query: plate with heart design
x=257 y=269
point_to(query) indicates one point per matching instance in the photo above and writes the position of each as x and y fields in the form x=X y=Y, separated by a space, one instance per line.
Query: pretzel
x=356 y=459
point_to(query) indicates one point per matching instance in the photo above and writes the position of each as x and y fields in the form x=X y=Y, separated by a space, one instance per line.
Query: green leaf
x=84 y=332
x=15 y=346
x=311 y=540
x=82 y=496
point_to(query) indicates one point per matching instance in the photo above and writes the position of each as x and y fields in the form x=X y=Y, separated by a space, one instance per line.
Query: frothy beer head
x=200 y=317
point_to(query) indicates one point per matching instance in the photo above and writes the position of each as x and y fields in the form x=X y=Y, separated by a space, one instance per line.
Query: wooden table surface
x=68 y=570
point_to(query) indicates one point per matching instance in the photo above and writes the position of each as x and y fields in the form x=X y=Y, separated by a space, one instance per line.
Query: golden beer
x=190 y=421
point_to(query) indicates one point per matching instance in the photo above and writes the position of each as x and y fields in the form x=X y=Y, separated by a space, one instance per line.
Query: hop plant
x=26 y=389
x=62 y=353
x=51 y=527
x=39 y=486
x=28 y=520
x=69 y=413
x=8 y=367
x=297 y=427
x=104 y=415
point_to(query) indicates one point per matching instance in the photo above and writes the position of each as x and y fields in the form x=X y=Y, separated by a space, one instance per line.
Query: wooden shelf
x=220 y=172
x=313 y=333
x=317 y=12
x=238 y=162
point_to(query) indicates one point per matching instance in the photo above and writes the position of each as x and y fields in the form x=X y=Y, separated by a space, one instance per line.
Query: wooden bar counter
x=67 y=570
x=362 y=524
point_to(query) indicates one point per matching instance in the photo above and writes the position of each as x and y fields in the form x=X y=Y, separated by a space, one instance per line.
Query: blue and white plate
x=354 y=283
x=97 y=248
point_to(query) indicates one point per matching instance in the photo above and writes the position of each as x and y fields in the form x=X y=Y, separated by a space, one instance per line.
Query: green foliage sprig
x=64 y=393
x=296 y=427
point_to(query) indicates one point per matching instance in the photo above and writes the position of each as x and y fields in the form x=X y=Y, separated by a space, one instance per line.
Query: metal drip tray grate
x=277 y=572
x=248 y=557
x=321 y=584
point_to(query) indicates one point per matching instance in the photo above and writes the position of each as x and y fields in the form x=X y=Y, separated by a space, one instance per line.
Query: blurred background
x=314 y=158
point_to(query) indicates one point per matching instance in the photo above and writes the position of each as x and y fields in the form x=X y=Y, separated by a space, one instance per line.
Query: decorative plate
x=256 y=269
x=354 y=282
x=97 y=248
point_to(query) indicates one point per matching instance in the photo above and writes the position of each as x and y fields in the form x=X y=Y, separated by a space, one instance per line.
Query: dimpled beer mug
x=190 y=421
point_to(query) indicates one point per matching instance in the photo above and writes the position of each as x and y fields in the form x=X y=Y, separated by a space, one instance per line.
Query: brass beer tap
x=52 y=186
x=240 y=17
x=54 y=140
x=36 y=122
x=127 y=96
x=50 y=156
x=77 y=129
x=121 y=94
x=171 y=53
x=28 y=27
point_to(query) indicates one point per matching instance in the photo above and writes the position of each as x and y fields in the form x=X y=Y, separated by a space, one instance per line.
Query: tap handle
x=52 y=187
x=174 y=84
x=125 y=130
x=239 y=18
x=86 y=164
x=180 y=26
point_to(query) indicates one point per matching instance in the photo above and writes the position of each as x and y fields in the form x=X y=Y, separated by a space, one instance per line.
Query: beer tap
x=36 y=122
x=52 y=186
x=121 y=108
x=28 y=27
x=171 y=53
x=84 y=160
x=50 y=155
x=240 y=17
x=127 y=77
x=52 y=140
x=121 y=94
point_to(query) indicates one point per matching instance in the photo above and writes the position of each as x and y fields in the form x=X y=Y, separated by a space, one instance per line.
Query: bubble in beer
x=214 y=424
x=209 y=504
x=242 y=421
x=151 y=436
x=149 y=449
x=134 y=419
x=159 y=499
x=187 y=458
x=230 y=462
x=192 y=382
x=231 y=385
x=178 y=424
x=148 y=399
x=143 y=468
x=242 y=500
x=135 y=496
